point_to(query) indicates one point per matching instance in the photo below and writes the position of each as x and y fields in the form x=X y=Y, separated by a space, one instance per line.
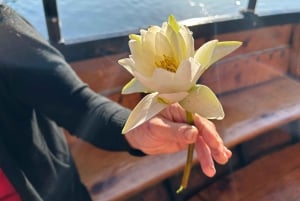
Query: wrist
x=133 y=150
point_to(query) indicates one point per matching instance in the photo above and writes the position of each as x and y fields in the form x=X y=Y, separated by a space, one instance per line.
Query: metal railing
x=52 y=21
x=251 y=6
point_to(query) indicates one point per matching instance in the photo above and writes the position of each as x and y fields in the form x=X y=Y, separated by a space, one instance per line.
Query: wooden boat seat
x=254 y=87
x=249 y=113
x=274 y=177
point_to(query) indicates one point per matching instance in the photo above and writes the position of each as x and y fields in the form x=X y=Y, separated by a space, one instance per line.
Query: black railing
x=251 y=5
x=52 y=20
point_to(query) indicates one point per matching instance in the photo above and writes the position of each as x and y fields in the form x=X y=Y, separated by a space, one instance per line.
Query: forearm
x=102 y=125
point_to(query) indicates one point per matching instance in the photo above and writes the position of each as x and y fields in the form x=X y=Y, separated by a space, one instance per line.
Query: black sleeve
x=41 y=79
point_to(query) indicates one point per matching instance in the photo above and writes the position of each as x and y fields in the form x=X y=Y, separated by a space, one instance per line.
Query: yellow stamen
x=163 y=100
x=168 y=63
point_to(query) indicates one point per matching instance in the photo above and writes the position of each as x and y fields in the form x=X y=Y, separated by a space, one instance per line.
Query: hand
x=167 y=132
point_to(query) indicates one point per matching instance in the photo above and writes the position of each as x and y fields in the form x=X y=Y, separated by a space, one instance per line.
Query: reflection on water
x=98 y=17
x=128 y=15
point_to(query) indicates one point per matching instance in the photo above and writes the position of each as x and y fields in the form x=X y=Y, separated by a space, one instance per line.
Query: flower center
x=168 y=63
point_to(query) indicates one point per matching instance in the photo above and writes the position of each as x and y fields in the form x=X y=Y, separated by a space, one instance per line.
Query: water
x=96 y=18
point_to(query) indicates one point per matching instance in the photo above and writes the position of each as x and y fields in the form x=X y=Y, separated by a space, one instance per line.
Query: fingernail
x=212 y=171
x=228 y=153
x=190 y=134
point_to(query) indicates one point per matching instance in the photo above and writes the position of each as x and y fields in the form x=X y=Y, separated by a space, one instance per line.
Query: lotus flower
x=165 y=65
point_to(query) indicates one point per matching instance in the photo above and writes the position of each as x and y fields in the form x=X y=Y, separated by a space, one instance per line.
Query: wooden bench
x=256 y=90
x=252 y=111
x=271 y=178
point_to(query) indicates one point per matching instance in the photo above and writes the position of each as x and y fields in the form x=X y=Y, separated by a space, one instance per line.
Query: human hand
x=168 y=132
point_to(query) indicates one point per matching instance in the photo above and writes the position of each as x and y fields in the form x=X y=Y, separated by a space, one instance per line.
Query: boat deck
x=271 y=106
x=275 y=177
x=259 y=88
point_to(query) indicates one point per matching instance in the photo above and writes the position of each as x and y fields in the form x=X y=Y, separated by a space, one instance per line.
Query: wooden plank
x=129 y=101
x=105 y=74
x=250 y=112
x=295 y=54
x=199 y=180
x=283 y=189
x=235 y=72
x=259 y=39
x=251 y=150
x=255 y=39
x=263 y=144
x=102 y=73
x=246 y=70
x=274 y=177
x=157 y=192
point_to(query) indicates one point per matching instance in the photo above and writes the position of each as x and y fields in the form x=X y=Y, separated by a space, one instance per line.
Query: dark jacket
x=39 y=94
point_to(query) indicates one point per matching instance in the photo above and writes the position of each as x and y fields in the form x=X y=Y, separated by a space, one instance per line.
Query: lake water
x=94 y=18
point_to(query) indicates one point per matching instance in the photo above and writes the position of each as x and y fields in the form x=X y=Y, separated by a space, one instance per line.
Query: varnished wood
x=266 y=143
x=255 y=110
x=259 y=39
x=274 y=177
x=243 y=154
x=157 y=192
x=103 y=73
x=265 y=53
x=245 y=70
x=129 y=100
x=249 y=112
x=295 y=55
x=254 y=89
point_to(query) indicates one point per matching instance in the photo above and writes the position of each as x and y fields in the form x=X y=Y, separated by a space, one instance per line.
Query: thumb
x=183 y=132
x=189 y=133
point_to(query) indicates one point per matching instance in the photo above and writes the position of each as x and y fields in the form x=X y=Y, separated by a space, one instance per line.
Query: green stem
x=189 y=159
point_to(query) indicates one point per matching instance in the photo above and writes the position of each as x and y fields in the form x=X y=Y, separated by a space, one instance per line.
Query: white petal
x=204 y=102
x=204 y=54
x=148 y=38
x=189 y=41
x=128 y=64
x=187 y=72
x=224 y=48
x=134 y=86
x=135 y=37
x=177 y=42
x=172 y=22
x=154 y=29
x=158 y=80
x=143 y=32
x=163 y=81
x=163 y=46
x=173 y=97
x=147 y=108
x=135 y=48
x=138 y=56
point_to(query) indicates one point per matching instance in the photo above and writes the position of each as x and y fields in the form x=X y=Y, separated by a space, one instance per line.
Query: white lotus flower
x=164 y=64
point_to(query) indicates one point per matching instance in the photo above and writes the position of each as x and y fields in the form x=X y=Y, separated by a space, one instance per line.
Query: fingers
x=211 y=137
x=221 y=155
x=176 y=132
x=205 y=158
x=163 y=135
x=208 y=131
x=160 y=135
x=166 y=134
x=174 y=113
